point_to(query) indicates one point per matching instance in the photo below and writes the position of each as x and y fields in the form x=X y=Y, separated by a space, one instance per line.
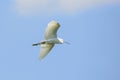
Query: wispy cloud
x=57 y=6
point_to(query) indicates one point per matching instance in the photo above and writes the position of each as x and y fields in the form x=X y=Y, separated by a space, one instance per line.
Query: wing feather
x=51 y=30
x=45 y=49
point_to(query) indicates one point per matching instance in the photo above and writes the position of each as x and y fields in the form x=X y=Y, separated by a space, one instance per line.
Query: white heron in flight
x=50 y=39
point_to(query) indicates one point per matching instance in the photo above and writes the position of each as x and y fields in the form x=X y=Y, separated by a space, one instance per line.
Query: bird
x=50 y=39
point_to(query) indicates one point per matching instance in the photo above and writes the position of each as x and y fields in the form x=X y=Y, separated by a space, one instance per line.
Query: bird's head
x=62 y=41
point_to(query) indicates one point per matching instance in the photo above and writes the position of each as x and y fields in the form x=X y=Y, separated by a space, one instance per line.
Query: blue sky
x=94 y=34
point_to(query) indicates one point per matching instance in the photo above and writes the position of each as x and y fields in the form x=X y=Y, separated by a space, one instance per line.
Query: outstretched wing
x=51 y=30
x=45 y=49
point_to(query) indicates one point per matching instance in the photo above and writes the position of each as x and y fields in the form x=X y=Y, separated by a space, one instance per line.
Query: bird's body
x=54 y=41
x=50 y=39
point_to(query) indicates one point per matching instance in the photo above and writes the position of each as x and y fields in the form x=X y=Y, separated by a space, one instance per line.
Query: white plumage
x=50 y=39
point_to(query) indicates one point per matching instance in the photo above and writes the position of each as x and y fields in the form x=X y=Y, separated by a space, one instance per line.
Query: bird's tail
x=36 y=44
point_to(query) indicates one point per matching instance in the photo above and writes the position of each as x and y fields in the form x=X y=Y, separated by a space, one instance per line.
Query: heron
x=50 y=39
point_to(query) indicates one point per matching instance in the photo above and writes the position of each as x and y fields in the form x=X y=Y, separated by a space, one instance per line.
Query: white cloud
x=57 y=6
x=30 y=6
x=77 y=5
